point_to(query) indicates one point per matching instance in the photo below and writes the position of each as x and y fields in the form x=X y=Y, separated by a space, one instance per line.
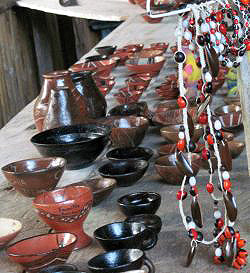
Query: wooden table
x=169 y=254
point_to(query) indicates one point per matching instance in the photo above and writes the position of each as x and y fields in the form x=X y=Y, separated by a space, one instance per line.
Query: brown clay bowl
x=233 y=100
x=123 y=55
x=230 y=116
x=35 y=253
x=148 y=53
x=171 y=148
x=170 y=132
x=100 y=187
x=9 y=230
x=167 y=92
x=167 y=169
x=33 y=176
x=132 y=84
x=141 y=77
x=126 y=95
x=133 y=47
x=160 y=45
x=79 y=67
x=236 y=148
x=145 y=65
x=106 y=50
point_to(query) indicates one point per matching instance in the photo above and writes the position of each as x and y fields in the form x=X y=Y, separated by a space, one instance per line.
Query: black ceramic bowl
x=59 y=268
x=95 y=58
x=80 y=145
x=126 y=173
x=106 y=50
x=120 y=261
x=135 y=109
x=151 y=221
x=139 y=203
x=130 y=153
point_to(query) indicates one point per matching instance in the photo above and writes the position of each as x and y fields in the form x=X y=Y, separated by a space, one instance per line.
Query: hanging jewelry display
x=204 y=27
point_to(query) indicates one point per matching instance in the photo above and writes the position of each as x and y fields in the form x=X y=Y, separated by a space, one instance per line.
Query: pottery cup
x=9 y=230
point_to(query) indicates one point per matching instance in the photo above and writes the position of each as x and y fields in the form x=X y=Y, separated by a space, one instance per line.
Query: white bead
x=218 y=35
x=191 y=225
x=225 y=175
x=223 y=39
x=185 y=23
x=221 y=58
x=239 y=59
x=208 y=77
x=217 y=125
x=218 y=252
x=205 y=27
x=217 y=214
x=240 y=33
x=221 y=46
x=188 y=35
x=191 y=47
x=212 y=38
x=212 y=24
x=229 y=64
x=230 y=224
x=192 y=181
x=217 y=49
x=181 y=135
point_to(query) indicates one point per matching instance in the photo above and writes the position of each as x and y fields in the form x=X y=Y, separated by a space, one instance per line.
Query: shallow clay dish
x=37 y=252
x=167 y=169
x=106 y=50
x=126 y=173
x=33 y=176
x=139 y=203
x=9 y=230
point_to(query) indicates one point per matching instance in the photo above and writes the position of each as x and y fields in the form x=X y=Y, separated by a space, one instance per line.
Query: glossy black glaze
x=136 y=109
x=139 y=203
x=106 y=50
x=95 y=58
x=80 y=145
x=118 y=261
x=130 y=153
x=126 y=173
x=151 y=221
x=122 y=235
x=59 y=268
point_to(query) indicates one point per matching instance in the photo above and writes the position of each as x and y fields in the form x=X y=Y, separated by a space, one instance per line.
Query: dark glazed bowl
x=100 y=187
x=139 y=203
x=94 y=58
x=126 y=173
x=151 y=221
x=106 y=50
x=59 y=268
x=33 y=176
x=80 y=145
x=130 y=153
x=37 y=252
x=136 y=109
x=167 y=169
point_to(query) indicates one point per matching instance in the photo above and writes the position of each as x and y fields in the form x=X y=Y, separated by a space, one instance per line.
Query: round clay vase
x=65 y=210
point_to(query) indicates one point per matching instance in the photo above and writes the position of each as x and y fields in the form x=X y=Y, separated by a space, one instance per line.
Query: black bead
x=207 y=38
x=242 y=52
x=190 y=234
x=215 y=232
x=229 y=15
x=234 y=36
x=231 y=229
x=241 y=40
x=216 y=202
x=179 y=57
x=222 y=259
x=213 y=18
x=211 y=171
x=192 y=192
x=201 y=40
x=235 y=64
x=216 y=244
x=223 y=63
x=209 y=87
x=188 y=219
x=223 y=10
x=218 y=135
x=191 y=146
x=200 y=21
x=182 y=128
x=205 y=69
x=200 y=236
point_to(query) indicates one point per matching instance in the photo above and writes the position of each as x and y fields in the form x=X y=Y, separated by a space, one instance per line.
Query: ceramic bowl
x=167 y=169
x=126 y=173
x=145 y=77
x=60 y=268
x=33 y=176
x=136 y=109
x=151 y=221
x=139 y=203
x=133 y=47
x=100 y=187
x=125 y=95
x=160 y=45
x=149 y=53
x=236 y=148
x=130 y=153
x=134 y=84
x=123 y=55
x=106 y=50
x=170 y=133
x=120 y=261
x=94 y=58
x=166 y=149
x=37 y=252
x=232 y=100
x=80 y=145
x=9 y=230
x=230 y=116
x=145 y=65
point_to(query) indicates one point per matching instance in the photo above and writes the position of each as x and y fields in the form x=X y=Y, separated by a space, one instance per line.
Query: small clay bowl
x=35 y=253
x=170 y=133
x=135 y=153
x=33 y=176
x=236 y=148
x=106 y=50
x=160 y=45
x=133 y=47
x=123 y=55
x=9 y=230
x=166 y=149
x=81 y=67
x=80 y=145
x=100 y=187
x=230 y=116
x=94 y=58
x=151 y=221
x=126 y=173
x=167 y=169
x=132 y=84
x=136 y=109
x=60 y=268
x=139 y=203
x=126 y=95
x=149 y=53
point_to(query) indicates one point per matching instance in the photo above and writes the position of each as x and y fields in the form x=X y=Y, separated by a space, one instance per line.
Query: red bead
x=210 y=187
x=202 y=97
x=219 y=16
x=203 y=119
x=205 y=154
x=228 y=6
x=191 y=21
x=217 y=260
x=227 y=233
x=212 y=31
x=246 y=24
x=217 y=42
x=227 y=185
x=236 y=21
x=242 y=253
x=241 y=261
x=194 y=234
x=221 y=239
x=181 y=195
x=195 y=189
x=208 y=19
x=181 y=102
x=237 y=235
x=234 y=12
x=236 y=265
x=223 y=29
x=210 y=139
x=248 y=45
x=220 y=223
x=245 y=2
x=241 y=243
x=181 y=145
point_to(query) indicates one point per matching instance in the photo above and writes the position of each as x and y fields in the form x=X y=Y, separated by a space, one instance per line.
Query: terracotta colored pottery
x=65 y=210
x=236 y=148
x=100 y=187
x=151 y=20
x=82 y=67
x=133 y=47
x=232 y=100
x=167 y=169
x=33 y=176
x=160 y=45
x=9 y=230
x=139 y=203
x=123 y=55
x=145 y=65
x=120 y=261
x=124 y=235
x=126 y=173
x=127 y=95
x=67 y=268
x=106 y=50
x=133 y=84
x=80 y=145
x=37 y=252
x=148 y=53
x=171 y=148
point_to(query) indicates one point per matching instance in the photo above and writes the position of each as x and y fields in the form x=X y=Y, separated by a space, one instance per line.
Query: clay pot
x=167 y=169
x=37 y=252
x=139 y=203
x=33 y=176
x=9 y=230
x=106 y=50
x=126 y=173
x=65 y=210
